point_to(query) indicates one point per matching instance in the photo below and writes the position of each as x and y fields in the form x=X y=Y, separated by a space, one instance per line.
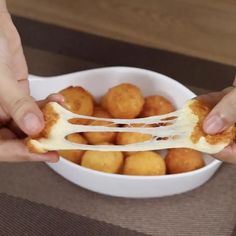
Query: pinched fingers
x=223 y=113
x=228 y=154
x=14 y=150
x=51 y=98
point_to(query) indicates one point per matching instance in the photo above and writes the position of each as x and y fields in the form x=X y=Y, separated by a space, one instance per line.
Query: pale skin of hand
x=221 y=117
x=16 y=105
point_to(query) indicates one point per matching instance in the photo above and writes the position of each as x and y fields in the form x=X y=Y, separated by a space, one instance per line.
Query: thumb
x=18 y=104
x=222 y=115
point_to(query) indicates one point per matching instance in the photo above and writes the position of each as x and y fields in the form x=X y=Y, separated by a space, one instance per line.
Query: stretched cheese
x=182 y=128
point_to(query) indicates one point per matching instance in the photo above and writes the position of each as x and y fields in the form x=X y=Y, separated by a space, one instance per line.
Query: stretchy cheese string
x=174 y=131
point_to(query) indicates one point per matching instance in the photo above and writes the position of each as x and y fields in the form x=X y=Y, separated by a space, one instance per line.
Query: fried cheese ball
x=156 y=105
x=99 y=137
x=124 y=138
x=73 y=155
x=79 y=101
x=110 y=162
x=123 y=101
x=179 y=160
x=103 y=102
x=144 y=163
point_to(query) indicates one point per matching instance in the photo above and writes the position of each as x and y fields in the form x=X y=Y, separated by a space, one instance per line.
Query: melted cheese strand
x=176 y=132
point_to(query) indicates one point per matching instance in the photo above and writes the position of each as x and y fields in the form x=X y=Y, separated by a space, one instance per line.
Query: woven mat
x=208 y=210
x=22 y=217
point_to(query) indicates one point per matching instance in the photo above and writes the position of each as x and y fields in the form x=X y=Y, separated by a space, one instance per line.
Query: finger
x=19 y=65
x=18 y=104
x=4 y=117
x=222 y=115
x=6 y=134
x=15 y=129
x=16 y=151
x=228 y=154
x=24 y=84
x=214 y=97
x=51 y=98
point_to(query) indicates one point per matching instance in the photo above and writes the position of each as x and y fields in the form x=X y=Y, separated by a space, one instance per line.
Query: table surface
x=34 y=200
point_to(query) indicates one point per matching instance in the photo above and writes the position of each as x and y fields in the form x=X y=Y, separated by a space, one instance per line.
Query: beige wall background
x=199 y=28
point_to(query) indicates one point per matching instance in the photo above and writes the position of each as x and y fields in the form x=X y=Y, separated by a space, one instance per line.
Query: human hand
x=221 y=117
x=15 y=102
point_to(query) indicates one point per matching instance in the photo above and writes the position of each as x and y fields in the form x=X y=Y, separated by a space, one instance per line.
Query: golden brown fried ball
x=103 y=102
x=73 y=155
x=179 y=160
x=110 y=162
x=123 y=101
x=144 y=163
x=124 y=138
x=156 y=105
x=79 y=101
x=99 y=137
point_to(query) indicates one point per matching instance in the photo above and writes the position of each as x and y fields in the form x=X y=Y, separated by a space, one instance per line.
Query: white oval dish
x=98 y=81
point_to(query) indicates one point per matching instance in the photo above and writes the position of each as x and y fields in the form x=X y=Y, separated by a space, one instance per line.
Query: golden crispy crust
x=50 y=118
x=179 y=160
x=79 y=101
x=124 y=101
x=32 y=148
x=201 y=109
x=156 y=105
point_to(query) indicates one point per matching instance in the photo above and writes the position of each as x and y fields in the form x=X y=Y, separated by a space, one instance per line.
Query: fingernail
x=32 y=123
x=214 y=125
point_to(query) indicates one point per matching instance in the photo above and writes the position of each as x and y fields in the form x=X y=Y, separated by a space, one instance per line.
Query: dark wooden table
x=36 y=201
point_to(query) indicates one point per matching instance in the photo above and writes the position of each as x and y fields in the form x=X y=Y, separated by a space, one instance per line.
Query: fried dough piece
x=123 y=101
x=73 y=155
x=179 y=160
x=155 y=106
x=144 y=163
x=128 y=137
x=78 y=101
x=99 y=137
x=109 y=162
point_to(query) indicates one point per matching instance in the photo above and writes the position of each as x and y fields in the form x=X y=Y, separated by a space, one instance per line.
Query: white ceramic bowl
x=98 y=81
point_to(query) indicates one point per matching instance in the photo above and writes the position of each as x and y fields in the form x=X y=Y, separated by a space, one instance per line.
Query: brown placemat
x=23 y=217
x=208 y=210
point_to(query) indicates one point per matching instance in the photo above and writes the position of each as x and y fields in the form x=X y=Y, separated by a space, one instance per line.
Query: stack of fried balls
x=124 y=101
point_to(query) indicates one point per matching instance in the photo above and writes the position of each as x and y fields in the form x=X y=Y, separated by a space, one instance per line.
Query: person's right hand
x=221 y=117
x=15 y=101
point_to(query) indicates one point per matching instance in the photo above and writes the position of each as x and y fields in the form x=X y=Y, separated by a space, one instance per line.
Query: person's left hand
x=12 y=144
x=16 y=104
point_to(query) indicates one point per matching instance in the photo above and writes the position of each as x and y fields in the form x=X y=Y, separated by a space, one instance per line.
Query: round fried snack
x=156 y=105
x=103 y=102
x=144 y=163
x=99 y=137
x=124 y=138
x=110 y=162
x=73 y=155
x=79 y=101
x=179 y=160
x=123 y=101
